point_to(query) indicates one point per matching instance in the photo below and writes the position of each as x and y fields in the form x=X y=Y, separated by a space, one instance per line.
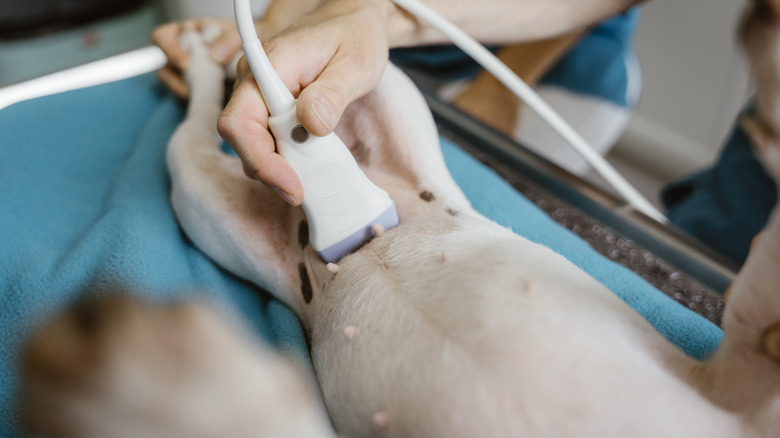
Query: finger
x=226 y=46
x=326 y=72
x=174 y=80
x=322 y=103
x=242 y=72
x=243 y=124
x=167 y=38
x=242 y=69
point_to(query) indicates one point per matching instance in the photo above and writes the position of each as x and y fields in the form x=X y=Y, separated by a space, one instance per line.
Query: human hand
x=167 y=36
x=327 y=59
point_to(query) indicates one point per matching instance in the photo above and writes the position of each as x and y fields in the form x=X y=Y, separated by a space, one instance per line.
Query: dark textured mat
x=668 y=279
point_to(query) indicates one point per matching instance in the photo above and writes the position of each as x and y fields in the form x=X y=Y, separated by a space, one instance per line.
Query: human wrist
x=403 y=28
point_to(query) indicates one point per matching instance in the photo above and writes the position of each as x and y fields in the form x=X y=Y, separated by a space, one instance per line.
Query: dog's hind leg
x=116 y=367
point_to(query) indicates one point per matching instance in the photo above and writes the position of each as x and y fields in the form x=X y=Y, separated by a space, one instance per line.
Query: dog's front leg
x=240 y=223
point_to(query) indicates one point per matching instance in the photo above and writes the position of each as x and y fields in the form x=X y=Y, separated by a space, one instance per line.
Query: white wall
x=694 y=82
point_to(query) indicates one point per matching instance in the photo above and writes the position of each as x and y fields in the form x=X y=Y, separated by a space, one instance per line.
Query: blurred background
x=38 y=37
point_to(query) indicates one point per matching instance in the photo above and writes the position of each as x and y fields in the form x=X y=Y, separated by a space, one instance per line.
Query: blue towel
x=84 y=196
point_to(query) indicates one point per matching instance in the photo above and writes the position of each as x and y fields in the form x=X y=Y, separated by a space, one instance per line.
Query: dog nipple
x=350 y=331
x=531 y=287
x=445 y=256
x=333 y=268
x=379 y=230
x=381 y=419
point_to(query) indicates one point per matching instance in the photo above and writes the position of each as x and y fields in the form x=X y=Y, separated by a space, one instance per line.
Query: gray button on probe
x=299 y=134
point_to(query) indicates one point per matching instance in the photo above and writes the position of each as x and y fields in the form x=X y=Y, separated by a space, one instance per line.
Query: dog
x=446 y=326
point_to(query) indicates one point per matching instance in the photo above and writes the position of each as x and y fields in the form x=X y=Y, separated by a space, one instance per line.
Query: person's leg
x=489 y=101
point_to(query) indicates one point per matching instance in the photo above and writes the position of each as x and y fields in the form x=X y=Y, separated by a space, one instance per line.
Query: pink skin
x=379 y=230
x=350 y=332
x=333 y=268
x=381 y=419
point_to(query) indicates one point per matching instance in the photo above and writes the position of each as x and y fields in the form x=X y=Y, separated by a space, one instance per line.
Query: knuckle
x=226 y=127
x=270 y=45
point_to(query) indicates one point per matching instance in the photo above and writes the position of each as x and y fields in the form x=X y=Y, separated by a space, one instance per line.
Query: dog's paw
x=198 y=41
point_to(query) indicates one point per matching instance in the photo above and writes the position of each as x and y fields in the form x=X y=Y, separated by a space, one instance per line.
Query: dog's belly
x=469 y=330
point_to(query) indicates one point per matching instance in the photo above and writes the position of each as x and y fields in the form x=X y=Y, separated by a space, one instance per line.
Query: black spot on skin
x=427 y=196
x=361 y=153
x=451 y=212
x=306 y=289
x=303 y=234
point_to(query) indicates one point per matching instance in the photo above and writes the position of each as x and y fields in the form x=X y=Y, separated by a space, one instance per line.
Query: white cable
x=275 y=94
x=507 y=77
x=106 y=70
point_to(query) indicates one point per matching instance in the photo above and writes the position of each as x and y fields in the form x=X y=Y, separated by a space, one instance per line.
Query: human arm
x=336 y=54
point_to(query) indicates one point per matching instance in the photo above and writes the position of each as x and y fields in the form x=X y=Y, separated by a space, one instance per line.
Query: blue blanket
x=84 y=204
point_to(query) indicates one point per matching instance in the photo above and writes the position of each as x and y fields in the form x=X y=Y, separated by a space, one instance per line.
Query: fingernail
x=324 y=112
x=286 y=196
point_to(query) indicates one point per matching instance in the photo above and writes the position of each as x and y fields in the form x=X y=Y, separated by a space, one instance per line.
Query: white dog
x=446 y=326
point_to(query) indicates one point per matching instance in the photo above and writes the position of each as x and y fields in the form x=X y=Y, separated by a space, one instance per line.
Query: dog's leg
x=120 y=368
x=233 y=219
x=744 y=375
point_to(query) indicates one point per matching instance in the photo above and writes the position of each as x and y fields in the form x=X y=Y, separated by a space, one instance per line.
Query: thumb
x=321 y=105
